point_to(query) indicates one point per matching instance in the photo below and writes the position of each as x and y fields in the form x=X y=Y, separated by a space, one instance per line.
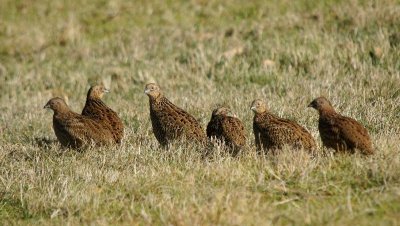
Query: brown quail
x=97 y=110
x=339 y=132
x=170 y=122
x=74 y=130
x=272 y=133
x=226 y=129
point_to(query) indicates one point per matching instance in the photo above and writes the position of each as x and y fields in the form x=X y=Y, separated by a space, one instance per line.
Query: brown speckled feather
x=272 y=133
x=74 y=130
x=96 y=109
x=229 y=130
x=169 y=122
x=341 y=133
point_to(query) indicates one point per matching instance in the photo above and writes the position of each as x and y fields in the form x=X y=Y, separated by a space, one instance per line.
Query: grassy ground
x=202 y=53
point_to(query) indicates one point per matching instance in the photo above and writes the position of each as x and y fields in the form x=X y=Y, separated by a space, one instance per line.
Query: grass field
x=202 y=53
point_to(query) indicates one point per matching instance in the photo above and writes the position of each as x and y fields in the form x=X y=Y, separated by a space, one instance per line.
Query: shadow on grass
x=13 y=209
x=44 y=142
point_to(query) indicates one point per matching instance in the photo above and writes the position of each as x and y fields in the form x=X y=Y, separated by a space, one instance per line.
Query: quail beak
x=146 y=91
x=311 y=105
x=47 y=106
x=253 y=108
x=106 y=90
